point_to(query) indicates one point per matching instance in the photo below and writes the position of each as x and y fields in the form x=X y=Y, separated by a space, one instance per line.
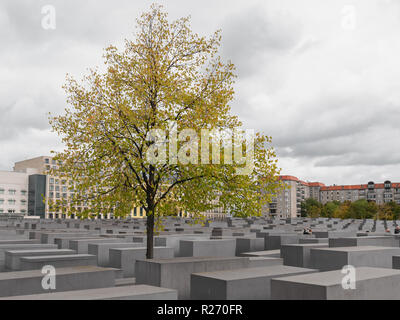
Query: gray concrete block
x=58 y=261
x=208 y=248
x=298 y=255
x=239 y=284
x=63 y=242
x=249 y=245
x=77 y=278
x=12 y=257
x=265 y=253
x=135 y=292
x=274 y=242
x=175 y=273
x=371 y=284
x=382 y=241
x=125 y=258
x=396 y=262
x=313 y=240
x=81 y=246
x=256 y=262
x=102 y=250
x=7 y=247
x=336 y=258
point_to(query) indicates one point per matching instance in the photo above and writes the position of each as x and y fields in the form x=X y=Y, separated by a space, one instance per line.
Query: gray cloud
x=329 y=97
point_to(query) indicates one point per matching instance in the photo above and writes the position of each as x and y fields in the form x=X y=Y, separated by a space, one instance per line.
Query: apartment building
x=377 y=192
x=45 y=189
x=287 y=203
x=14 y=192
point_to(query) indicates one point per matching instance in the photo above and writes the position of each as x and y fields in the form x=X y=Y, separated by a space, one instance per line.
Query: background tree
x=311 y=208
x=167 y=73
x=330 y=209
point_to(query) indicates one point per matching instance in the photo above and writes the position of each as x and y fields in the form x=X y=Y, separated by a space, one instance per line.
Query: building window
x=1 y=201
x=23 y=211
x=51 y=180
x=12 y=191
x=23 y=202
x=1 y=191
x=1 y=210
x=141 y=211
x=135 y=211
x=11 y=202
x=23 y=192
x=46 y=161
x=51 y=195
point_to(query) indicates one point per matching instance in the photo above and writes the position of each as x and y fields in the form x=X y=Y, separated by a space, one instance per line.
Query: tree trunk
x=150 y=235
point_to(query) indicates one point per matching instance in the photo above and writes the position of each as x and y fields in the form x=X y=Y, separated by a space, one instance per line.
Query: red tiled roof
x=357 y=187
x=336 y=188
x=291 y=178
x=316 y=184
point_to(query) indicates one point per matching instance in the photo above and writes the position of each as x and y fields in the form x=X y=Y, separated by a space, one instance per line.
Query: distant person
x=387 y=230
x=397 y=230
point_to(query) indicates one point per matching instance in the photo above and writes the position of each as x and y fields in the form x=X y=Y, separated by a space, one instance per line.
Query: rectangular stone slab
x=208 y=248
x=265 y=253
x=371 y=283
x=326 y=259
x=175 y=273
x=7 y=247
x=125 y=258
x=135 y=292
x=314 y=240
x=239 y=284
x=382 y=241
x=63 y=242
x=75 y=278
x=58 y=261
x=12 y=257
x=19 y=241
x=255 y=262
x=249 y=245
x=82 y=245
x=298 y=255
x=102 y=250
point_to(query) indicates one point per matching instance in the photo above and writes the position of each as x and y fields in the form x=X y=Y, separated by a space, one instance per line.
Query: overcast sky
x=321 y=77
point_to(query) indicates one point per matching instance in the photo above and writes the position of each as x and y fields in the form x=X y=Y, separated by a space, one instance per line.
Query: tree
x=360 y=209
x=330 y=208
x=311 y=208
x=121 y=138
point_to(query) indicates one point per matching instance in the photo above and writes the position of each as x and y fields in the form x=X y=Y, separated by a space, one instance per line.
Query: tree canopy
x=132 y=132
x=359 y=209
